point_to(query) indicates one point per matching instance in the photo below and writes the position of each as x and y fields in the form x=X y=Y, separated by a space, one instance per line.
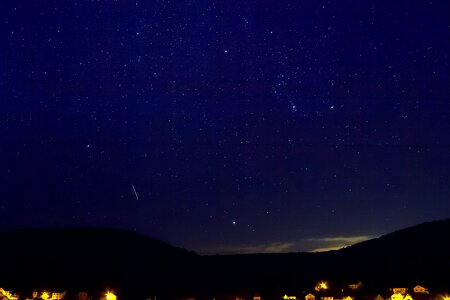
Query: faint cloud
x=327 y=249
x=276 y=247
x=308 y=245
x=344 y=239
x=336 y=243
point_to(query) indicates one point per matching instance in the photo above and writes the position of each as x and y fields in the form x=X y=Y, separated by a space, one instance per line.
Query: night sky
x=226 y=126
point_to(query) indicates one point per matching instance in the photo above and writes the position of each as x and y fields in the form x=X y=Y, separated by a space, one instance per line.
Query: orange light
x=323 y=285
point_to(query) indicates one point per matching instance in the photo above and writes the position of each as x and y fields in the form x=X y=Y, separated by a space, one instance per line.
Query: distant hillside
x=419 y=254
x=139 y=266
x=81 y=258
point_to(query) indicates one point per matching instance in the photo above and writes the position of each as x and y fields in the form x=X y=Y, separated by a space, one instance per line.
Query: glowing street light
x=45 y=295
x=323 y=285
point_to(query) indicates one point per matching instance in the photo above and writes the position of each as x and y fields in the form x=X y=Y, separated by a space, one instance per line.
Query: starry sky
x=226 y=126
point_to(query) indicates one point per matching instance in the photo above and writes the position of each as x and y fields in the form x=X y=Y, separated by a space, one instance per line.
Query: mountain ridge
x=100 y=258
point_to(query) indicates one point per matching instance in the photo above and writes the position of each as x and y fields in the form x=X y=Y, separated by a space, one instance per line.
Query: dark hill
x=138 y=266
x=90 y=259
x=419 y=254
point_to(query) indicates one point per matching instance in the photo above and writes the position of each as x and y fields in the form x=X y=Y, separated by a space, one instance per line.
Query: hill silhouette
x=419 y=254
x=90 y=259
x=138 y=266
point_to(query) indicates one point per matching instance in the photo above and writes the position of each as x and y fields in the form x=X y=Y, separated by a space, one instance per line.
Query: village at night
x=224 y=150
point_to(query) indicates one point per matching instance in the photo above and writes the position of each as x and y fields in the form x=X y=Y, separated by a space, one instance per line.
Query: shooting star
x=135 y=193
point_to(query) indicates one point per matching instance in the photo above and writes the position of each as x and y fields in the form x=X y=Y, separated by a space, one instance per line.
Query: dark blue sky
x=226 y=126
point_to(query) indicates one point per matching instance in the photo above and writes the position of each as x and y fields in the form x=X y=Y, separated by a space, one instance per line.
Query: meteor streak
x=135 y=193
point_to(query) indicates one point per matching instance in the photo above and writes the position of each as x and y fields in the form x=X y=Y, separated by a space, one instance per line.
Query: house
x=46 y=295
x=420 y=290
x=378 y=297
x=401 y=297
x=310 y=297
x=347 y=298
x=397 y=297
x=8 y=295
x=401 y=291
x=355 y=286
x=58 y=296
x=82 y=296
